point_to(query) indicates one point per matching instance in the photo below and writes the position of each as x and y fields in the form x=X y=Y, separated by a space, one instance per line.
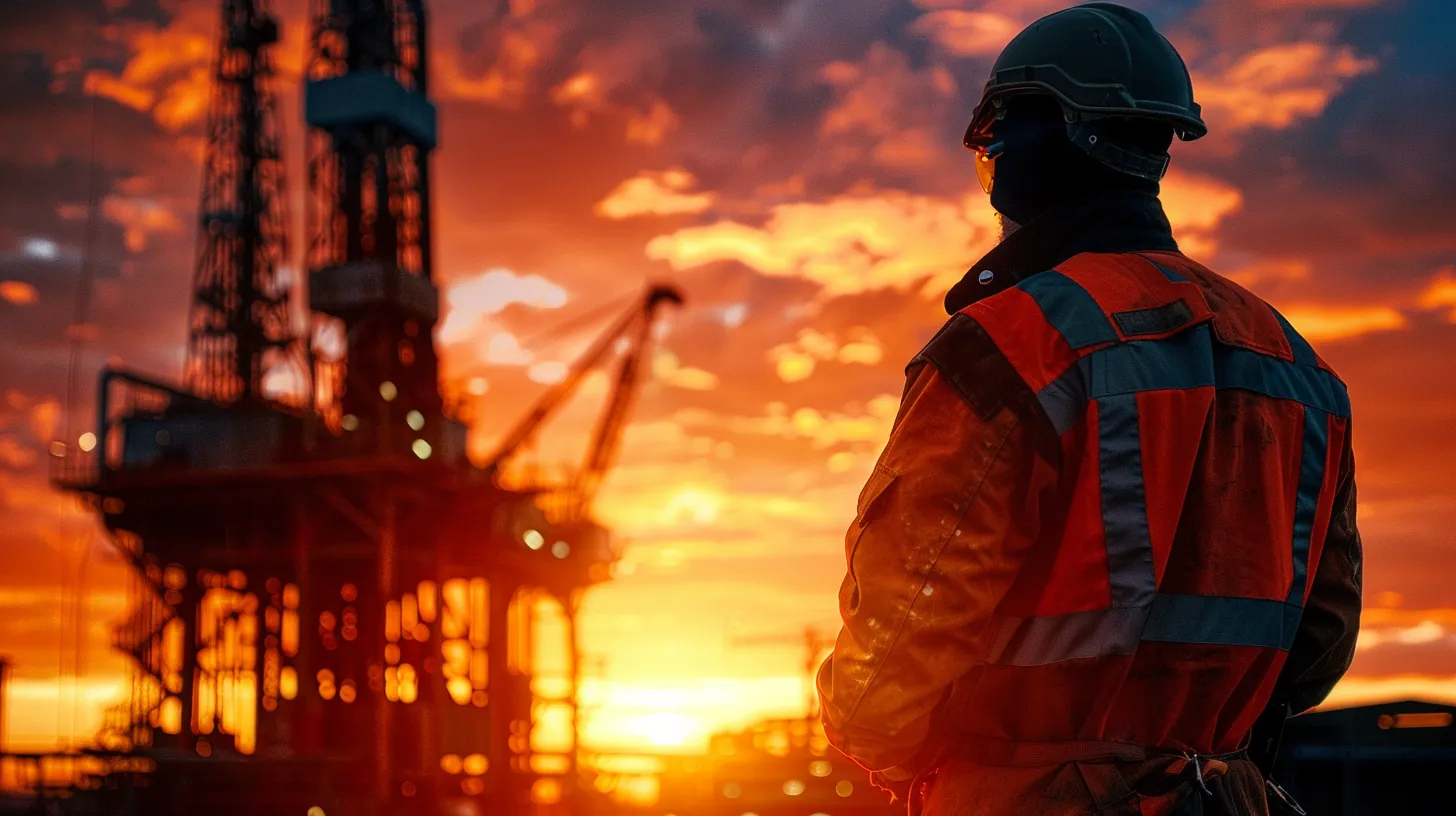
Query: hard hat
x=1101 y=61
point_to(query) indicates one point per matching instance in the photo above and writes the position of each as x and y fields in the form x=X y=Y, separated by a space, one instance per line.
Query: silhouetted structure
x=333 y=608
x=1377 y=759
x=240 y=323
x=787 y=768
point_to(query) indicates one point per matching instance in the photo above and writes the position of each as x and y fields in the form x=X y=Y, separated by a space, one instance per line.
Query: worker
x=1114 y=522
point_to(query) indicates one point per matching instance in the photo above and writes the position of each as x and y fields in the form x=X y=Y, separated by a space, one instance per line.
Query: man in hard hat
x=1114 y=523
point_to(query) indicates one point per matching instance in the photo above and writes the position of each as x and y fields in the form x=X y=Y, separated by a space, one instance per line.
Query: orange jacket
x=1117 y=505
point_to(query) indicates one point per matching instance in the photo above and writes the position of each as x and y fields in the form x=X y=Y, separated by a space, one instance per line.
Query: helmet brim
x=1085 y=102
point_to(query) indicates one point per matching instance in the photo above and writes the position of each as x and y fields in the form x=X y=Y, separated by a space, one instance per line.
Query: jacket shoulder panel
x=971 y=363
x=1145 y=301
x=1240 y=318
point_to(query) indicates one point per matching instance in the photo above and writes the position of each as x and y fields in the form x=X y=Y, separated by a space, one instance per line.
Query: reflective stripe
x=1069 y=308
x=1311 y=481
x=1191 y=359
x=1065 y=400
x=1182 y=361
x=1178 y=362
x=1223 y=621
x=1303 y=353
x=1272 y=377
x=1039 y=641
x=1130 y=571
x=1196 y=619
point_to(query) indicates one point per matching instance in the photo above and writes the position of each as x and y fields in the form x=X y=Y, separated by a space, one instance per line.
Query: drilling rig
x=333 y=608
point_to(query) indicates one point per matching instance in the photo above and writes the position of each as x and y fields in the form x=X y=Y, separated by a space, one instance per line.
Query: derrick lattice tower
x=373 y=128
x=239 y=331
x=333 y=607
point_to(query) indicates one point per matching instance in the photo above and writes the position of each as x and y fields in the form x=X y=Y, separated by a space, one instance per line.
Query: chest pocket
x=871 y=498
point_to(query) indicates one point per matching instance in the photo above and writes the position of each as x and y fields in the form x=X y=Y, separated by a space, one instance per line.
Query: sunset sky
x=795 y=166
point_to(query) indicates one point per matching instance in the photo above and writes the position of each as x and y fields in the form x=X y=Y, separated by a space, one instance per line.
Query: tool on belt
x=1199 y=784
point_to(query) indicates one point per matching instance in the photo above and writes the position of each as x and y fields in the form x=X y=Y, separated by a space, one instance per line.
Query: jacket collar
x=1118 y=222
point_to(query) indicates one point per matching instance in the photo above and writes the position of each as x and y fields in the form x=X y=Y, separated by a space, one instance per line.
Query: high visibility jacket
x=1199 y=440
x=1136 y=568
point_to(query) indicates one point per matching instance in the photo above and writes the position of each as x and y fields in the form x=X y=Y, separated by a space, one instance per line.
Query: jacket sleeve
x=1325 y=642
x=943 y=526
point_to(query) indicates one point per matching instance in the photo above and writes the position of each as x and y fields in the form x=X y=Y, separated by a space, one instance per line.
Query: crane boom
x=607 y=437
x=636 y=326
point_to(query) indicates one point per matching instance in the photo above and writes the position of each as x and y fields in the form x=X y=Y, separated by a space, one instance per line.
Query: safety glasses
x=986 y=163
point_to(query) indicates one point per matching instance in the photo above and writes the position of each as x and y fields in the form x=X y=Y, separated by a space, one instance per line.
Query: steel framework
x=240 y=324
x=332 y=606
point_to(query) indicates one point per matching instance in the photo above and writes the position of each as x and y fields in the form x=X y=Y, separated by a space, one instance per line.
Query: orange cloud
x=169 y=72
x=1441 y=294
x=1259 y=271
x=886 y=105
x=14 y=455
x=649 y=127
x=667 y=369
x=1278 y=85
x=1319 y=322
x=108 y=85
x=862 y=241
x=868 y=423
x=586 y=94
x=185 y=100
x=868 y=240
x=582 y=94
x=496 y=85
x=140 y=218
x=967 y=33
x=520 y=44
x=1353 y=691
x=44 y=415
x=654 y=193
x=18 y=293
x=1195 y=205
x=796 y=361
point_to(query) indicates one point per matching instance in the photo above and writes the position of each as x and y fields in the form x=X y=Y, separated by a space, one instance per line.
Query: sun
x=666 y=729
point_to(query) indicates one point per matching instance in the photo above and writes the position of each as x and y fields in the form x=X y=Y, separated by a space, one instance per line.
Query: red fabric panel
x=1207 y=697
x=1025 y=593
x=1126 y=282
x=1076 y=579
x=1067 y=572
x=1238 y=517
x=1170 y=424
x=1240 y=317
x=1032 y=345
x=1334 y=452
x=1256 y=690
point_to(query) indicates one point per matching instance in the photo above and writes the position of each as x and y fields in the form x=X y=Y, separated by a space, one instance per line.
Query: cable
x=78 y=338
x=561 y=330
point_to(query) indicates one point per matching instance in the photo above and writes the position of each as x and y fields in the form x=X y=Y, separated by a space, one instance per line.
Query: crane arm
x=604 y=440
x=607 y=437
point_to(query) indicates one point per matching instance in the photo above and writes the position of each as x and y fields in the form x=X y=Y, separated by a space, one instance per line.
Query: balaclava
x=1040 y=169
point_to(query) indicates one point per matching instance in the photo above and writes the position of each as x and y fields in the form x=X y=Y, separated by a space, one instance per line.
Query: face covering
x=1040 y=169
